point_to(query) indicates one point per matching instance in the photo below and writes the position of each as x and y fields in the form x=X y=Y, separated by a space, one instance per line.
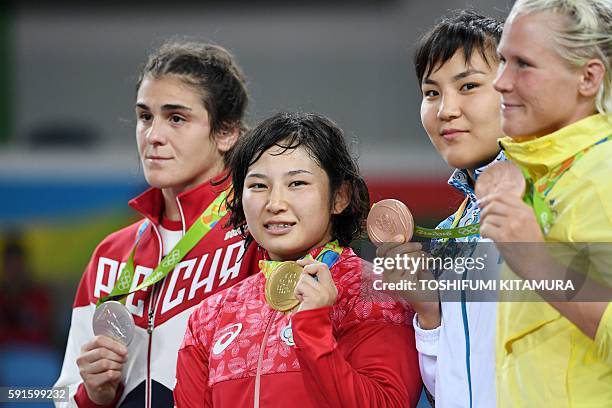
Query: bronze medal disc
x=112 y=319
x=387 y=219
x=503 y=177
x=281 y=284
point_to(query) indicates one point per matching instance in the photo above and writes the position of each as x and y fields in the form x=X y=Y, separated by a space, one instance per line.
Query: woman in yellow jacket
x=555 y=78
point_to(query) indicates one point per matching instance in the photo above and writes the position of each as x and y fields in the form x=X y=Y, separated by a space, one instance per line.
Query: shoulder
x=358 y=301
x=590 y=192
x=203 y=321
x=123 y=238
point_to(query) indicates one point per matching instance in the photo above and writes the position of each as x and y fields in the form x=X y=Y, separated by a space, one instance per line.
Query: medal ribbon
x=205 y=222
x=537 y=191
x=453 y=231
x=328 y=255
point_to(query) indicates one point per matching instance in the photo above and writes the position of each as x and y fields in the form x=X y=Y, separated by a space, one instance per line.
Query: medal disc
x=387 y=219
x=112 y=319
x=502 y=177
x=281 y=284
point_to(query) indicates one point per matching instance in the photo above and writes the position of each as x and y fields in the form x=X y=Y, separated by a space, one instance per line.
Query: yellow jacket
x=543 y=360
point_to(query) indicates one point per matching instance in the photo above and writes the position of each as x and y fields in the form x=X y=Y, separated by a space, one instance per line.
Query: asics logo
x=227 y=338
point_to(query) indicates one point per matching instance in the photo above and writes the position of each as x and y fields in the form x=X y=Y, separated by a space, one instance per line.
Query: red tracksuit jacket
x=161 y=311
x=237 y=351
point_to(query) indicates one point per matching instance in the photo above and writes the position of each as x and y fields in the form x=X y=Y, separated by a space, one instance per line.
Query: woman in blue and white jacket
x=456 y=63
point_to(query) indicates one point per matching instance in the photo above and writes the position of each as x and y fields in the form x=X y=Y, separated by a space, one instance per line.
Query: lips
x=279 y=227
x=510 y=105
x=156 y=159
x=451 y=134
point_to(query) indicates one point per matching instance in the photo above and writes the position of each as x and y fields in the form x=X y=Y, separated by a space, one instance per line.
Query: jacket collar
x=460 y=178
x=191 y=203
x=540 y=155
x=332 y=245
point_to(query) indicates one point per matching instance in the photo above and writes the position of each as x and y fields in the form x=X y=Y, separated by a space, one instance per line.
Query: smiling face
x=286 y=201
x=460 y=110
x=173 y=135
x=539 y=91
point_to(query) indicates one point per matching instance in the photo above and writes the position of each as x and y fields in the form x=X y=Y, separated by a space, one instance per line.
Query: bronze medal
x=281 y=284
x=502 y=177
x=387 y=219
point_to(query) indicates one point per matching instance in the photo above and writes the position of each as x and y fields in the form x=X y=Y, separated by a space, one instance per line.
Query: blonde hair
x=585 y=34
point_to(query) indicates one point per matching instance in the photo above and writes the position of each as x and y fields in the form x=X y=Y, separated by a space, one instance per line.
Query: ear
x=592 y=76
x=342 y=198
x=226 y=137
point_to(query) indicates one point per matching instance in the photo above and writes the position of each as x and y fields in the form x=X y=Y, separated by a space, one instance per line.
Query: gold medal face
x=281 y=284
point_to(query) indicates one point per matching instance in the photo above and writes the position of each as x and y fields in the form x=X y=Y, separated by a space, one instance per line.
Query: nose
x=277 y=202
x=155 y=134
x=449 y=107
x=503 y=81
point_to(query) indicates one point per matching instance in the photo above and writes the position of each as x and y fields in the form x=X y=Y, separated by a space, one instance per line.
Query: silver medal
x=112 y=319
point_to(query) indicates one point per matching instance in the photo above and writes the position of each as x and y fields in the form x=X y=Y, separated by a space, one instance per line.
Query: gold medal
x=280 y=284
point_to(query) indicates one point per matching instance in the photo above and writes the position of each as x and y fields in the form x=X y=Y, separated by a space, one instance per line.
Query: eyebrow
x=289 y=173
x=166 y=107
x=457 y=77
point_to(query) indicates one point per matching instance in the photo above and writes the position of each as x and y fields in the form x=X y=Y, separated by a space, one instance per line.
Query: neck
x=171 y=210
x=472 y=170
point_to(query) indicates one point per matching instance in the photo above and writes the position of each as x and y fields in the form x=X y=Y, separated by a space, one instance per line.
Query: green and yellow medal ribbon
x=453 y=231
x=283 y=276
x=267 y=266
x=206 y=222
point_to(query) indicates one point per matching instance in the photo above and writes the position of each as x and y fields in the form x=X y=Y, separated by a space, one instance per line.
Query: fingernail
x=399 y=238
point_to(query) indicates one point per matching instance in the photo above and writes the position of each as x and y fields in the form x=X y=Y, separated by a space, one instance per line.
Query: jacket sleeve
x=80 y=332
x=191 y=389
x=603 y=336
x=371 y=362
x=427 y=347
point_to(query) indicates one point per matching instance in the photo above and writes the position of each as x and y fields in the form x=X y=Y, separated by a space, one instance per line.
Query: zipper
x=151 y=322
x=150 y=326
x=260 y=360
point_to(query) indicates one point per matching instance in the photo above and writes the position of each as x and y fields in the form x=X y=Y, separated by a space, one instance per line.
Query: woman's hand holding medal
x=316 y=287
x=390 y=228
x=428 y=311
x=509 y=222
x=504 y=217
x=100 y=365
x=101 y=360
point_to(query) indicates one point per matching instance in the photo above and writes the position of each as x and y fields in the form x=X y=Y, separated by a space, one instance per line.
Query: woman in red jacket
x=189 y=108
x=270 y=342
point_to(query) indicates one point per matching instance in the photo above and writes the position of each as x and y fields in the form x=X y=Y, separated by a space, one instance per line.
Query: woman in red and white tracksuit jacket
x=188 y=117
x=341 y=348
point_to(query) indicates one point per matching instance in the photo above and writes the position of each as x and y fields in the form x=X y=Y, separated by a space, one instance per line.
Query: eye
x=256 y=186
x=469 y=86
x=177 y=119
x=522 y=63
x=145 y=116
x=430 y=93
x=298 y=183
